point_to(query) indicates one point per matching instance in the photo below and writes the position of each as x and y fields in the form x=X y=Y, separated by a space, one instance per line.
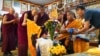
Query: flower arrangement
x=52 y=26
x=57 y=50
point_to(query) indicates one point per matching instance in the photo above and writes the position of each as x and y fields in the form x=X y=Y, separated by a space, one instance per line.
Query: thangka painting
x=7 y=4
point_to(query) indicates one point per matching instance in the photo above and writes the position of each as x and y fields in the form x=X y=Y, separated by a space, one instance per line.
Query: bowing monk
x=8 y=32
x=42 y=18
x=70 y=23
x=22 y=32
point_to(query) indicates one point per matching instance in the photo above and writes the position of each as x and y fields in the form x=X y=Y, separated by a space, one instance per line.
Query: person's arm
x=24 y=21
x=5 y=20
x=88 y=16
x=91 y=29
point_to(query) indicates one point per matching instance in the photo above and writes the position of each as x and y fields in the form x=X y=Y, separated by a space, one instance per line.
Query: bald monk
x=22 y=32
x=42 y=17
x=8 y=32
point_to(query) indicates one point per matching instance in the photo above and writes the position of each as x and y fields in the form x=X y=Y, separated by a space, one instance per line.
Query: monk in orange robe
x=70 y=23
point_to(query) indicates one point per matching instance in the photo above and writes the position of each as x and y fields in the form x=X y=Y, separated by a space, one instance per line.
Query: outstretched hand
x=73 y=31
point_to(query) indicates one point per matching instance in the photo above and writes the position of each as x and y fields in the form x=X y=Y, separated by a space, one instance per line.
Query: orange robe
x=74 y=24
x=80 y=45
x=32 y=28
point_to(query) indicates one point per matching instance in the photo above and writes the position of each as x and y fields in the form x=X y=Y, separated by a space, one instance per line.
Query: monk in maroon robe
x=22 y=33
x=8 y=31
x=42 y=18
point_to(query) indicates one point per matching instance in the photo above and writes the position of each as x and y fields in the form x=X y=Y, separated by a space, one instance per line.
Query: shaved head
x=11 y=10
x=34 y=12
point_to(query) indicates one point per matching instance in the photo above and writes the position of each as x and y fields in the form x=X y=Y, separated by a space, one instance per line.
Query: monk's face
x=70 y=17
x=80 y=12
x=42 y=10
x=11 y=11
x=34 y=12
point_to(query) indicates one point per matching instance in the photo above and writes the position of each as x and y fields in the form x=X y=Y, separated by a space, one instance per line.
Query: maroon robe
x=8 y=32
x=41 y=20
x=22 y=36
x=64 y=18
x=16 y=32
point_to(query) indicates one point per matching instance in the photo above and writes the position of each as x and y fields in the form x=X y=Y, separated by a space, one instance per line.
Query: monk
x=70 y=23
x=8 y=32
x=22 y=32
x=42 y=17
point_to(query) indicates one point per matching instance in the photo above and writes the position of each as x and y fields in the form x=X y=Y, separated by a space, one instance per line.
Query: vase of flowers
x=56 y=49
x=52 y=26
